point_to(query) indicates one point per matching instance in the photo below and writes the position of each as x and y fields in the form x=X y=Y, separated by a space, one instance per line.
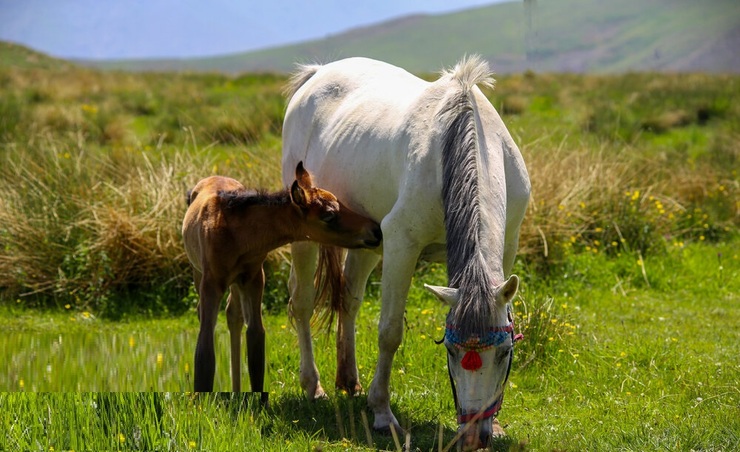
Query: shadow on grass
x=349 y=418
x=340 y=420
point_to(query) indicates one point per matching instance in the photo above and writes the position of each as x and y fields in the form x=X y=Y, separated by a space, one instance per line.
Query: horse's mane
x=466 y=267
x=241 y=199
x=470 y=71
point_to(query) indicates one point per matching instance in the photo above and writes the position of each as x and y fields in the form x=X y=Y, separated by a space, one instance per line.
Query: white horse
x=434 y=163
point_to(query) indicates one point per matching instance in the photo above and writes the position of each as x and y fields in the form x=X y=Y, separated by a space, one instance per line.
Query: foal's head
x=326 y=220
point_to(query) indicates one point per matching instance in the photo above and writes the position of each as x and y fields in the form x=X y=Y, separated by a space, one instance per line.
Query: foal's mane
x=241 y=199
x=466 y=267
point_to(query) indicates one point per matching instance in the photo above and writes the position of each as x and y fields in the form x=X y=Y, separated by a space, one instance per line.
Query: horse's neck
x=492 y=222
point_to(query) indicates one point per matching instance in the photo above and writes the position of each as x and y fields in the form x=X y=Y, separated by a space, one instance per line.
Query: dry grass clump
x=607 y=201
x=91 y=227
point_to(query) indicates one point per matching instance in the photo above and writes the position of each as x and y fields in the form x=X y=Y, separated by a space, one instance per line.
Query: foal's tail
x=330 y=285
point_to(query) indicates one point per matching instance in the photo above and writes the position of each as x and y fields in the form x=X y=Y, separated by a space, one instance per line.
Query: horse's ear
x=446 y=294
x=303 y=176
x=508 y=289
x=298 y=195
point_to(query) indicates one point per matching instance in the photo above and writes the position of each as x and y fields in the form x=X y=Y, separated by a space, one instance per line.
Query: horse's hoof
x=319 y=394
x=496 y=430
x=400 y=433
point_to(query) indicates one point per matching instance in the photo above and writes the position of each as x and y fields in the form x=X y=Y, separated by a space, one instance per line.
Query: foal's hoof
x=351 y=389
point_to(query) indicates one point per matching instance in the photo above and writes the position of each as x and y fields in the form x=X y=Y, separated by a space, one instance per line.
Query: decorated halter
x=472 y=361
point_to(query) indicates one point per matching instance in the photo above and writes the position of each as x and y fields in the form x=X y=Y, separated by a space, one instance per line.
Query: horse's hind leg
x=235 y=321
x=302 y=293
x=357 y=269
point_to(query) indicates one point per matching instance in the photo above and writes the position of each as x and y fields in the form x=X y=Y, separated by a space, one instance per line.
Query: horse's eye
x=503 y=353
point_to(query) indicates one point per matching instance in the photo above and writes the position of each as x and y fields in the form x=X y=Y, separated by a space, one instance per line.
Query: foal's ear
x=298 y=195
x=303 y=176
x=508 y=289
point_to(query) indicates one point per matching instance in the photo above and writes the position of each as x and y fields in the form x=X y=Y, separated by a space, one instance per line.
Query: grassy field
x=629 y=259
x=607 y=363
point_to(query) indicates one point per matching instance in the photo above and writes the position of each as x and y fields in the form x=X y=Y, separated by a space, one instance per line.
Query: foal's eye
x=328 y=217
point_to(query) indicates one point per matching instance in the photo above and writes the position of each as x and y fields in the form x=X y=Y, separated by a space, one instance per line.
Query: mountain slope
x=18 y=56
x=564 y=35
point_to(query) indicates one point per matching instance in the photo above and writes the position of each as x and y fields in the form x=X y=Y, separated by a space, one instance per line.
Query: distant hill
x=15 y=55
x=552 y=36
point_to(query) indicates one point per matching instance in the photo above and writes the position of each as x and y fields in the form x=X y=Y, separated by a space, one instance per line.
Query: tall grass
x=95 y=166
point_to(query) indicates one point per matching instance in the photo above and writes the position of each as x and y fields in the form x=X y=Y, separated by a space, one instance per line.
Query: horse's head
x=479 y=364
x=326 y=220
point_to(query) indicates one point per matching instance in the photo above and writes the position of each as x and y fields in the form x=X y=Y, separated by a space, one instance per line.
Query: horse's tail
x=300 y=76
x=330 y=285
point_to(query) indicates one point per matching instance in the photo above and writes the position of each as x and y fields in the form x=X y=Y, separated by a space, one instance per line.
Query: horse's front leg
x=235 y=321
x=399 y=262
x=302 y=294
x=357 y=269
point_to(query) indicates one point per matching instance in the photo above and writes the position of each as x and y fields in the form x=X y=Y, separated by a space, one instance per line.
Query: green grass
x=613 y=358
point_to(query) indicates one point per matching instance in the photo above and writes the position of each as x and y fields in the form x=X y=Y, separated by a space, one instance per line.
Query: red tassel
x=471 y=361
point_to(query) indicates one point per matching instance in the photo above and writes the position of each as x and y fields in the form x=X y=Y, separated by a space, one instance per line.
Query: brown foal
x=228 y=231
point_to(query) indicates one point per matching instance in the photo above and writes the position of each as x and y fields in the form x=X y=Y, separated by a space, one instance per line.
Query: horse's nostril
x=484 y=438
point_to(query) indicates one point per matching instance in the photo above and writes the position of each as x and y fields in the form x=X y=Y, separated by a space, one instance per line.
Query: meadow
x=629 y=260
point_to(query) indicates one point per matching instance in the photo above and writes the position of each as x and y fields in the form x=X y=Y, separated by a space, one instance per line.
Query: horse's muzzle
x=477 y=437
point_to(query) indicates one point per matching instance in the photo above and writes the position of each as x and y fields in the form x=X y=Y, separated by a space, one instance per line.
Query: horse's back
x=352 y=123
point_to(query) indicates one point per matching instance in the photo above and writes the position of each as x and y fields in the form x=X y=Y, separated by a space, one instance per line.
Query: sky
x=125 y=29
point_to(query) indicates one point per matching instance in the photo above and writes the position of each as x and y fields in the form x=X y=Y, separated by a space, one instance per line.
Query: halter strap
x=490 y=411
x=493 y=337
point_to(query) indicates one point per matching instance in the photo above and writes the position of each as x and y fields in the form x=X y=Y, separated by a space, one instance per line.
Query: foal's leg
x=210 y=292
x=357 y=269
x=302 y=293
x=251 y=296
x=235 y=321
